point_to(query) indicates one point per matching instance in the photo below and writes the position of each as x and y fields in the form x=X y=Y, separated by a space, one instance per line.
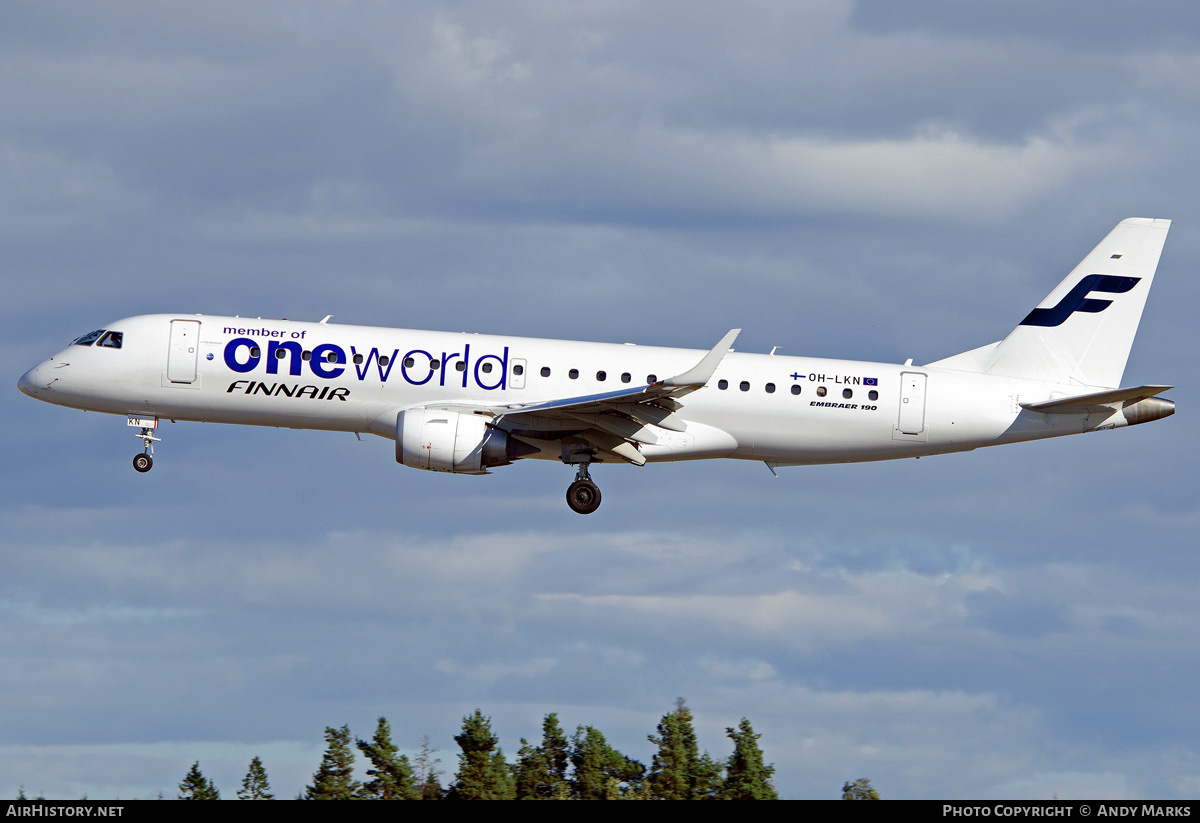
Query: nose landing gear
x=145 y=461
x=583 y=496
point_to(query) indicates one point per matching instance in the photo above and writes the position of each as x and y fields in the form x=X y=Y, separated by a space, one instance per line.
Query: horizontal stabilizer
x=1081 y=403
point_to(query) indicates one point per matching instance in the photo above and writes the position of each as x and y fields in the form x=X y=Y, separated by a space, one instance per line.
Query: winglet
x=698 y=375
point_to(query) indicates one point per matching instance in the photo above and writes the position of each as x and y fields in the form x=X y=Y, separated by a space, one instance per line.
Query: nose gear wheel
x=145 y=461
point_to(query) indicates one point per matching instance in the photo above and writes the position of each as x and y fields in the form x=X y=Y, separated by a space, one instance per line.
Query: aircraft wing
x=614 y=423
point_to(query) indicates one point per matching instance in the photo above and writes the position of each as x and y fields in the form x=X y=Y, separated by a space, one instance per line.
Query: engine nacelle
x=448 y=441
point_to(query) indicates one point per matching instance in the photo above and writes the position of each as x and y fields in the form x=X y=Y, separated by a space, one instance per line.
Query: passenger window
x=873 y=395
x=722 y=384
x=601 y=376
x=770 y=387
x=847 y=394
x=518 y=369
x=433 y=364
x=112 y=340
x=626 y=377
x=821 y=391
x=460 y=366
x=384 y=360
x=545 y=371
x=331 y=357
x=651 y=379
x=358 y=358
x=573 y=374
x=256 y=352
x=486 y=368
x=408 y=362
x=744 y=385
x=795 y=388
x=306 y=356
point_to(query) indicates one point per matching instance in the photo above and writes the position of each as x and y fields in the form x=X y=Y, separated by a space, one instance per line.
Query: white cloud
x=484 y=674
x=469 y=62
x=830 y=610
x=941 y=174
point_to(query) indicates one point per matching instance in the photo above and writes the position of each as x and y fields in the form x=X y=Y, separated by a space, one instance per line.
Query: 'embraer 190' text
x=329 y=361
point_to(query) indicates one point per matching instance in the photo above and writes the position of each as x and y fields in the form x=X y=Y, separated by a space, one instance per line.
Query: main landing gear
x=145 y=461
x=583 y=496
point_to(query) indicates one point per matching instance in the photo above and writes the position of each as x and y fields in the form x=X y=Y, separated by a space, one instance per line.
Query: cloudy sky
x=864 y=180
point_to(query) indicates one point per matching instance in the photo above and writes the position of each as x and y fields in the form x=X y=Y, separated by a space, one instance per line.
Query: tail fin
x=1082 y=332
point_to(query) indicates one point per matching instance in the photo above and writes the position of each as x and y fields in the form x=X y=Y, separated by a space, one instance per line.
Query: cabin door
x=184 y=351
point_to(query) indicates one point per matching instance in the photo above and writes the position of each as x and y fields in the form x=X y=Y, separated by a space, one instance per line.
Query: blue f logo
x=1077 y=299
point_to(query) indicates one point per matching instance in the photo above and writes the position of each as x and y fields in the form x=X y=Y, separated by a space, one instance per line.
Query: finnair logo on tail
x=1077 y=299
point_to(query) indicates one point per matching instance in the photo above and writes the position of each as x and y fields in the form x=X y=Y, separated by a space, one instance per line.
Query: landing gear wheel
x=144 y=461
x=583 y=496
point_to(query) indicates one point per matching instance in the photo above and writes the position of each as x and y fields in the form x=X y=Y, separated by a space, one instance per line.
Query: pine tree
x=196 y=787
x=541 y=772
x=528 y=772
x=482 y=772
x=391 y=773
x=255 y=785
x=860 y=789
x=335 y=779
x=706 y=778
x=747 y=778
x=601 y=772
x=680 y=772
x=431 y=789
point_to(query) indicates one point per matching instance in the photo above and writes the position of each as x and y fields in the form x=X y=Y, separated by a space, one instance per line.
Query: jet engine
x=450 y=441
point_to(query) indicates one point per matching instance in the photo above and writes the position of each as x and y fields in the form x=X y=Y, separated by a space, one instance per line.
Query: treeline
x=582 y=766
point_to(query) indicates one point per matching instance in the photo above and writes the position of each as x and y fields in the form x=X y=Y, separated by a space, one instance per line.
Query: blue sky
x=836 y=178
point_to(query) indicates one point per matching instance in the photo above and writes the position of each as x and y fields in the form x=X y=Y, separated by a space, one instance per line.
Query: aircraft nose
x=31 y=381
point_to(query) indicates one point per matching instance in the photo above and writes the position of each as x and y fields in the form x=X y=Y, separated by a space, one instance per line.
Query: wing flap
x=620 y=426
x=650 y=414
x=613 y=444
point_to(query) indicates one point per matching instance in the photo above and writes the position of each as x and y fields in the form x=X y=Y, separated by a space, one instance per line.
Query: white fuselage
x=777 y=409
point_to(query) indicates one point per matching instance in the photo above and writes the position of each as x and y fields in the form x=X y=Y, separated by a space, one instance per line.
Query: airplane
x=468 y=403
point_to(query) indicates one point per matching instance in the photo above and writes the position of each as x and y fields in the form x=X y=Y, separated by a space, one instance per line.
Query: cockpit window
x=89 y=339
x=112 y=340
